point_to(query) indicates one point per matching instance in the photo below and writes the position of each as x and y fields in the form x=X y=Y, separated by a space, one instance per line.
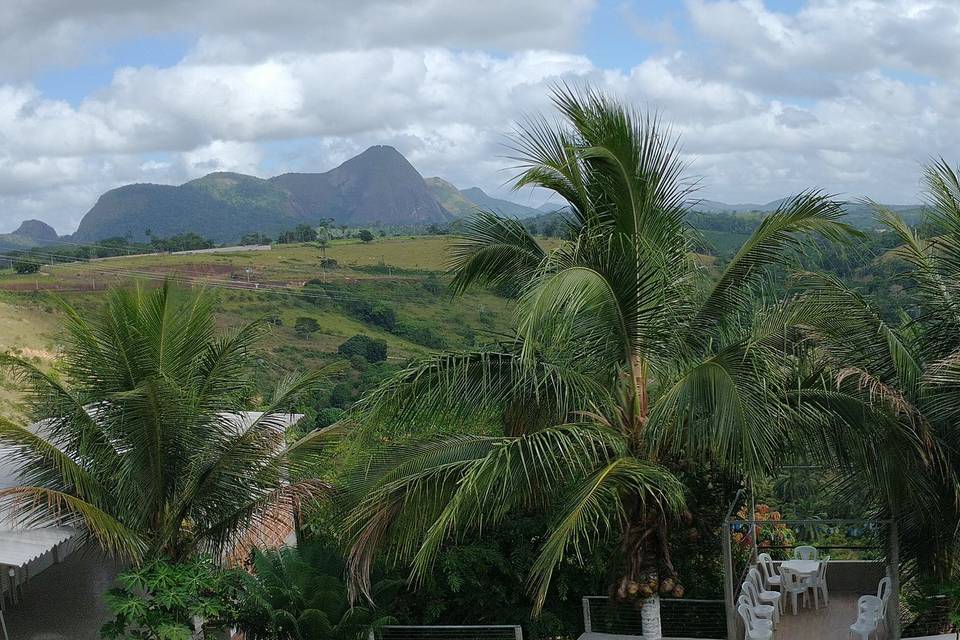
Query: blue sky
x=768 y=97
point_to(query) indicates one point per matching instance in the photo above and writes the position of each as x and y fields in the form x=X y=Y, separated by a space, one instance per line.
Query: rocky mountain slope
x=377 y=187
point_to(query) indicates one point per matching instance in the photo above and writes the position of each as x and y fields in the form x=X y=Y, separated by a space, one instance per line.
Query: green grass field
x=405 y=274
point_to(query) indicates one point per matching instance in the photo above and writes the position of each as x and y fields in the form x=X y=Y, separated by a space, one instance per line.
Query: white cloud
x=766 y=103
x=39 y=33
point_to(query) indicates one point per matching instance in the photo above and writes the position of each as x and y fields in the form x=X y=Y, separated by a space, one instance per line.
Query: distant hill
x=508 y=208
x=450 y=198
x=379 y=186
x=36 y=231
x=857 y=213
x=30 y=233
x=466 y=202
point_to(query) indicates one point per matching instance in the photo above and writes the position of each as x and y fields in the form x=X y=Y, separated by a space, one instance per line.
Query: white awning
x=20 y=547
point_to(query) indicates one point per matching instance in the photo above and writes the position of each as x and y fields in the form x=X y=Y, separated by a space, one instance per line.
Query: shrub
x=365 y=236
x=255 y=238
x=372 y=349
x=26 y=265
x=327 y=416
x=305 y=326
x=161 y=598
x=376 y=313
x=341 y=395
x=422 y=334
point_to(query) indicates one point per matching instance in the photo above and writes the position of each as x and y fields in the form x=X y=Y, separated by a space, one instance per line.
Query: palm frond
x=809 y=212
x=495 y=251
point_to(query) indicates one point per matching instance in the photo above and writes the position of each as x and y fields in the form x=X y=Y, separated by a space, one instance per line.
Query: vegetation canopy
x=630 y=363
x=140 y=439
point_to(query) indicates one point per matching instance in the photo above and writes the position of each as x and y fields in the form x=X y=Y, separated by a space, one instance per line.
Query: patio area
x=65 y=601
x=777 y=556
x=826 y=623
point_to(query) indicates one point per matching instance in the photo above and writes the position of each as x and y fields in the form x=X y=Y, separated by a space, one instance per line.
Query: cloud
x=766 y=103
x=41 y=33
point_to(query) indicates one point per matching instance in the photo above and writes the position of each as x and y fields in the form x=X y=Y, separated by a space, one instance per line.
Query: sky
x=768 y=98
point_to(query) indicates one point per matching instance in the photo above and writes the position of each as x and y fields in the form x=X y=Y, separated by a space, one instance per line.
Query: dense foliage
x=162 y=600
x=300 y=594
x=143 y=445
x=630 y=364
x=895 y=382
x=371 y=349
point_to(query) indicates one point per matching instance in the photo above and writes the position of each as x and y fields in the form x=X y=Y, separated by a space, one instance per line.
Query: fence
x=447 y=632
x=933 y=619
x=679 y=618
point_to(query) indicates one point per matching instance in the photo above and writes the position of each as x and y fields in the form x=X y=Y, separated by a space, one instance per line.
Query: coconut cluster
x=648 y=586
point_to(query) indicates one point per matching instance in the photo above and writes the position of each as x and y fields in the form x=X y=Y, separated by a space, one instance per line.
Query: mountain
x=30 y=233
x=450 y=198
x=37 y=231
x=477 y=196
x=714 y=206
x=379 y=186
x=466 y=202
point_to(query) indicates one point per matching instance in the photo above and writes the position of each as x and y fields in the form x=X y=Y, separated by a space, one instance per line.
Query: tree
x=255 y=238
x=301 y=233
x=365 y=235
x=323 y=241
x=181 y=242
x=895 y=383
x=142 y=445
x=629 y=363
x=305 y=325
x=24 y=265
x=372 y=349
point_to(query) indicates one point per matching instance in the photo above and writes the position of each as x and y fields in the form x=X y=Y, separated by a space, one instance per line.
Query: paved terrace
x=826 y=623
x=64 y=602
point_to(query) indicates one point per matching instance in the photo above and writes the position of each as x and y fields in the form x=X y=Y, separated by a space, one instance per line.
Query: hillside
x=450 y=198
x=859 y=214
x=30 y=233
x=507 y=208
x=466 y=202
x=377 y=187
x=402 y=274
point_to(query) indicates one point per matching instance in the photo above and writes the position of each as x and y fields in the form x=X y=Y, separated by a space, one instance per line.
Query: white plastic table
x=804 y=567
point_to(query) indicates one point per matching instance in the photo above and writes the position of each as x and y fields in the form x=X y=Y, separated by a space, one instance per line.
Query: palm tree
x=300 y=594
x=630 y=360
x=896 y=383
x=140 y=442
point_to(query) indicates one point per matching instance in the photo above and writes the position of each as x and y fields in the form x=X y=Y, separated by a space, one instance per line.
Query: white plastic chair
x=764 y=596
x=883 y=594
x=818 y=583
x=771 y=577
x=760 y=608
x=868 y=617
x=761 y=613
x=805 y=553
x=752 y=630
x=793 y=585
